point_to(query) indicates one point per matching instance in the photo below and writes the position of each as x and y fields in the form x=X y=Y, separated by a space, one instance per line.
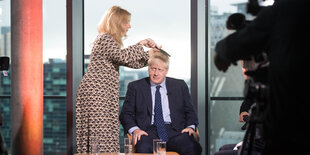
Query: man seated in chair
x=160 y=107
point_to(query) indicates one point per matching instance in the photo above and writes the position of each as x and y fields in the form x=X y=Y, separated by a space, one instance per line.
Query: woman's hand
x=149 y=43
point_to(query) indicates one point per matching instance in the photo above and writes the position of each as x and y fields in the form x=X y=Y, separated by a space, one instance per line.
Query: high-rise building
x=54 y=117
x=5 y=41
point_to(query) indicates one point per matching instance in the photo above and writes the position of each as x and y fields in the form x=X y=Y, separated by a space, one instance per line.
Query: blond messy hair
x=112 y=23
x=158 y=55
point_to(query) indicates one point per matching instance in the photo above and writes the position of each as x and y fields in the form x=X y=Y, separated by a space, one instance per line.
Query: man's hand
x=189 y=130
x=137 y=135
x=241 y=116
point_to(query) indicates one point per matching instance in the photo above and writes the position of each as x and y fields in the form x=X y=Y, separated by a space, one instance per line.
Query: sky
x=225 y=5
x=5 y=13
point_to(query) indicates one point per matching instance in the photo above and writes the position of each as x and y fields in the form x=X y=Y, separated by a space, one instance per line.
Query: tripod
x=253 y=135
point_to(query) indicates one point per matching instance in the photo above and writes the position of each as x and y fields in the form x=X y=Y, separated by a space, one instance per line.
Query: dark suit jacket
x=137 y=107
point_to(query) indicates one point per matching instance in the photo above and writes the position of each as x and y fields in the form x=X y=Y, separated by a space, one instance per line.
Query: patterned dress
x=97 y=101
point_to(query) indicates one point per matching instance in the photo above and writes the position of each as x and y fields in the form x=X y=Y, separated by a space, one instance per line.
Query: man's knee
x=193 y=148
x=144 y=145
x=187 y=145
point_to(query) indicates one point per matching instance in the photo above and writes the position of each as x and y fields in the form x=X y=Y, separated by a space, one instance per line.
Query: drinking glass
x=155 y=145
x=161 y=148
x=94 y=146
x=127 y=146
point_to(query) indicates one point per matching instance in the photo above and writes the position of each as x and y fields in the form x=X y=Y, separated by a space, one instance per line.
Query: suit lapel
x=147 y=94
x=170 y=90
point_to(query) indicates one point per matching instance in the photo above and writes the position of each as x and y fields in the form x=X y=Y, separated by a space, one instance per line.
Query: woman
x=97 y=103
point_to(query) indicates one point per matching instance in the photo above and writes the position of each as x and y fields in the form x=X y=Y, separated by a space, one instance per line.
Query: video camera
x=4 y=63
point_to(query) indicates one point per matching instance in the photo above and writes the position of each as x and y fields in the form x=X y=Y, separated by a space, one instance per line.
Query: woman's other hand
x=149 y=43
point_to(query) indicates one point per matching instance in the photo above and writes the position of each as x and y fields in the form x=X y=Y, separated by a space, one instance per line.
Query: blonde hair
x=158 y=55
x=112 y=23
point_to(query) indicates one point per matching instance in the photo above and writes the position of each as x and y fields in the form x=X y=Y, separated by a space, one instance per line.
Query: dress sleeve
x=133 y=56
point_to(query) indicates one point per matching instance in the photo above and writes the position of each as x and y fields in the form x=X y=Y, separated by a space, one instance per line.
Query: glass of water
x=94 y=145
x=161 y=148
x=127 y=146
x=155 y=145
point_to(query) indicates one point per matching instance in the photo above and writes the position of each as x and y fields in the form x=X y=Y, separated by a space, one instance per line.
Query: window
x=54 y=68
x=226 y=89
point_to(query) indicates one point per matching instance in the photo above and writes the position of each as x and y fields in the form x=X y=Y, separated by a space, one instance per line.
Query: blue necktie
x=158 y=118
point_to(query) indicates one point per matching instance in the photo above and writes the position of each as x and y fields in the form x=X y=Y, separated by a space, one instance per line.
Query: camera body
x=256 y=87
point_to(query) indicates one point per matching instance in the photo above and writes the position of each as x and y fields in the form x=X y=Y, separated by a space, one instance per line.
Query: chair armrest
x=133 y=146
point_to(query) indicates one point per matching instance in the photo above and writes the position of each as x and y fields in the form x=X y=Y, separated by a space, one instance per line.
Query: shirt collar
x=163 y=84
